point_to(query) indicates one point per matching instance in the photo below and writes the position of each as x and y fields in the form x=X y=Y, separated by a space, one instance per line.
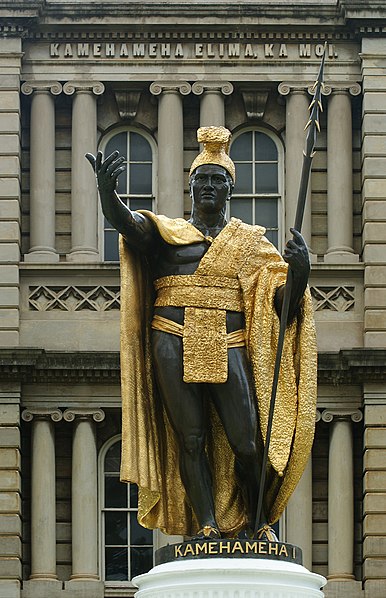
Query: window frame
x=102 y=147
x=280 y=178
x=101 y=529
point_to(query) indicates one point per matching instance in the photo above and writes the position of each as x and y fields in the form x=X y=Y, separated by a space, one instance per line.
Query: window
x=127 y=547
x=257 y=195
x=135 y=185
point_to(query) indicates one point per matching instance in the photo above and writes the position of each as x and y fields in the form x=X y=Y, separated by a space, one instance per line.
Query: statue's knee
x=246 y=450
x=193 y=444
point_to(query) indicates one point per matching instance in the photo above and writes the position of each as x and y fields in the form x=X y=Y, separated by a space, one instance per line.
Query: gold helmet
x=216 y=146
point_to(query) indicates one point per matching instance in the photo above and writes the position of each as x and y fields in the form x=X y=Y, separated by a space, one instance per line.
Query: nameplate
x=204 y=549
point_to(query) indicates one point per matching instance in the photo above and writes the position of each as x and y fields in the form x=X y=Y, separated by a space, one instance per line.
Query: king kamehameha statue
x=201 y=302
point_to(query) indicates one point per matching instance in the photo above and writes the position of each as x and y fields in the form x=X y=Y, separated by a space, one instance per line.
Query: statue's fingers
x=297 y=236
x=115 y=174
x=109 y=160
x=98 y=161
x=116 y=163
x=92 y=160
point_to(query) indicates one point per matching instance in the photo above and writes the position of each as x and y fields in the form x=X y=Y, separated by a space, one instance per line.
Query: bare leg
x=187 y=412
x=236 y=405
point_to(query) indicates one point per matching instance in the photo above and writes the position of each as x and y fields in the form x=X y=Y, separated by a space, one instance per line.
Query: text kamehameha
x=224 y=548
x=169 y=50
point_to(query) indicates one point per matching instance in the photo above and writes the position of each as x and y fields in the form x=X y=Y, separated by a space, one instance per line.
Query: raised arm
x=138 y=230
x=297 y=257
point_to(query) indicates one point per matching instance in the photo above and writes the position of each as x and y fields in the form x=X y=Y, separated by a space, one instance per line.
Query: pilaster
x=373 y=189
x=43 y=578
x=212 y=105
x=340 y=173
x=297 y=114
x=42 y=170
x=341 y=580
x=84 y=199
x=84 y=500
x=10 y=194
x=170 y=146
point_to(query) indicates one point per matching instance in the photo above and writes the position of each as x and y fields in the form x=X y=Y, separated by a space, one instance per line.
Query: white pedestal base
x=229 y=578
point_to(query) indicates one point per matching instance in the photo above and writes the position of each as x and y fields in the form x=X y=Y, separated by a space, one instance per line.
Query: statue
x=200 y=306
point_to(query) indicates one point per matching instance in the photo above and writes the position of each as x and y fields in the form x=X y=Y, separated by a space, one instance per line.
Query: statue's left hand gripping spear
x=313 y=127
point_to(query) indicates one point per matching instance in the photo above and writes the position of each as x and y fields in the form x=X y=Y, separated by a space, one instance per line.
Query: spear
x=313 y=127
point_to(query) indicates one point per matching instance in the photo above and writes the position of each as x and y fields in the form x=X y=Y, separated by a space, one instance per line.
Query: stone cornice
x=351 y=366
x=171 y=33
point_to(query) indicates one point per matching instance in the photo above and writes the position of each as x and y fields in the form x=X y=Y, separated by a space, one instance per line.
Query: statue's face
x=210 y=187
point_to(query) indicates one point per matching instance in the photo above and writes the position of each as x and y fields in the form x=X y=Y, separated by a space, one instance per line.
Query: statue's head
x=212 y=173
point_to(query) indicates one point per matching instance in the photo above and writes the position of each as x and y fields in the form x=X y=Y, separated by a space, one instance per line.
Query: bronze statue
x=200 y=304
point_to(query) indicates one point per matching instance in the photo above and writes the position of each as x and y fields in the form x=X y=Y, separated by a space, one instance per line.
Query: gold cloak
x=149 y=449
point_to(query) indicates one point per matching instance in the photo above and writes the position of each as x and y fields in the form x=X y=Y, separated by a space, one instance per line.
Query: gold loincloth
x=206 y=300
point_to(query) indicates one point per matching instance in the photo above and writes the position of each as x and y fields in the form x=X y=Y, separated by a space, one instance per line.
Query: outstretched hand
x=107 y=171
x=296 y=254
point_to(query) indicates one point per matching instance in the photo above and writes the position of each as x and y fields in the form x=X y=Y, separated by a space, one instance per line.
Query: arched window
x=126 y=546
x=258 y=191
x=136 y=185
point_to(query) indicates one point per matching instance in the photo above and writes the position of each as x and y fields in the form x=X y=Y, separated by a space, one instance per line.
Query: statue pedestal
x=209 y=577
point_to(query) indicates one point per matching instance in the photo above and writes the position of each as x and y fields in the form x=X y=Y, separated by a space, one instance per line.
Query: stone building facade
x=76 y=76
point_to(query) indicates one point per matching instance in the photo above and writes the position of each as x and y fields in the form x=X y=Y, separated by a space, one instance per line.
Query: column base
x=341 y=257
x=339 y=588
x=225 y=577
x=42 y=588
x=83 y=256
x=78 y=588
x=42 y=256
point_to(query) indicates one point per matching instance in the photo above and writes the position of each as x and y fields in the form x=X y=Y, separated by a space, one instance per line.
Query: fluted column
x=299 y=516
x=170 y=146
x=212 y=105
x=84 y=200
x=43 y=498
x=84 y=493
x=339 y=175
x=341 y=493
x=297 y=103
x=42 y=170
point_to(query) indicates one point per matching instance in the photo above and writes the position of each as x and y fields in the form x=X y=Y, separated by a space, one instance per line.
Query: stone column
x=212 y=106
x=339 y=175
x=341 y=493
x=299 y=516
x=84 y=493
x=42 y=170
x=297 y=114
x=84 y=198
x=170 y=146
x=43 y=496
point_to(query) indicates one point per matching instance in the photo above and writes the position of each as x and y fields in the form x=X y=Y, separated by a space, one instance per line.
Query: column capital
x=224 y=87
x=287 y=87
x=29 y=87
x=95 y=87
x=41 y=413
x=354 y=89
x=182 y=87
x=342 y=413
x=98 y=415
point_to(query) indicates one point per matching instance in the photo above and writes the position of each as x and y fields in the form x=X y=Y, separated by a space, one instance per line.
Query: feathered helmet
x=216 y=142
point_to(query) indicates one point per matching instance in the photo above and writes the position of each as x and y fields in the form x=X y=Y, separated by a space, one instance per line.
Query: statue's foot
x=208 y=532
x=266 y=533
